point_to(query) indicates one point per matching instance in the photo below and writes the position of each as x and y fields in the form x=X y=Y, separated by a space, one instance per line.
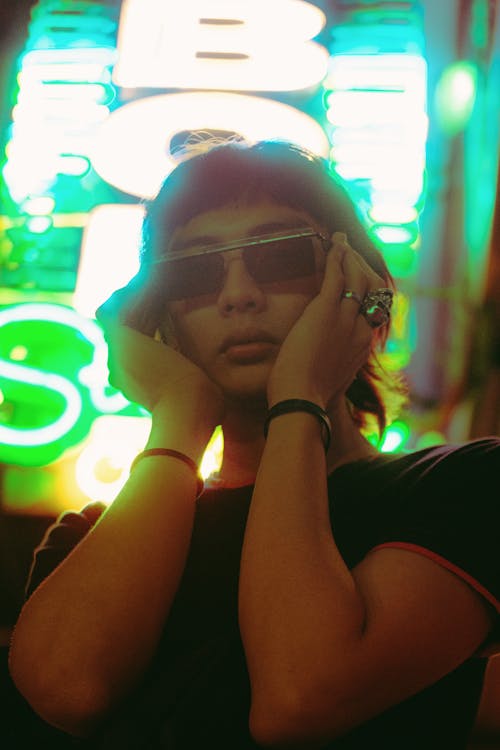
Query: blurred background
x=403 y=98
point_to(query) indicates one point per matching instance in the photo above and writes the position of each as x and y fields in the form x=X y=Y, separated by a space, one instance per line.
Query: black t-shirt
x=441 y=502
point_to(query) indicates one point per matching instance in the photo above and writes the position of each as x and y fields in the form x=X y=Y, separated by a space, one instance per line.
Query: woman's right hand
x=155 y=375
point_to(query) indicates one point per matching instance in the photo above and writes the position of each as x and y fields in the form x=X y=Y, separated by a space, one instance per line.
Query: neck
x=244 y=443
x=347 y=442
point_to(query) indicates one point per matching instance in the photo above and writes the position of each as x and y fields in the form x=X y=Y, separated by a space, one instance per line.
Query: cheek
x=190 y=331
x=304 y=288
x=287 y=310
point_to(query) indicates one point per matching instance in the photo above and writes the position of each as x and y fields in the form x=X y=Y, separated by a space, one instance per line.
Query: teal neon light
x=375 y=103
x=377 y=111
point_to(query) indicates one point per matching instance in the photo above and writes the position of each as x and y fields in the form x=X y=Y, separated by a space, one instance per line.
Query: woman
x=318 y=593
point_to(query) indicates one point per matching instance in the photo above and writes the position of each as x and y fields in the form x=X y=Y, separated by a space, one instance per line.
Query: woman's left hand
x=331 y=340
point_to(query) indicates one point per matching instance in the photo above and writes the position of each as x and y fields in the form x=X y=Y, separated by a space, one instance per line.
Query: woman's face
x=235 y=334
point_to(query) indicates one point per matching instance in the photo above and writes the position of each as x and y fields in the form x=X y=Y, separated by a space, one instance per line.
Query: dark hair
x=214 y=176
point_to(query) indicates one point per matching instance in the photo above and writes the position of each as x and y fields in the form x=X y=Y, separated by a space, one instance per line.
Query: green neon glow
x=397 y=356
x=455 y=96
x=395 y=437
x=46 y=381
x=61 y=385
x=92 y=376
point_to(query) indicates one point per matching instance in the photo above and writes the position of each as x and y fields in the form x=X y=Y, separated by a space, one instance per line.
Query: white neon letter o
x=132 y=149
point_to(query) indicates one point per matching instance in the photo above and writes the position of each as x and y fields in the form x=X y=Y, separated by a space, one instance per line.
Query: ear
x=166 y=334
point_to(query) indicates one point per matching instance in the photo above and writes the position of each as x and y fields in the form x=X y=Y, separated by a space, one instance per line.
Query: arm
x=328 y=648
x=89 y=630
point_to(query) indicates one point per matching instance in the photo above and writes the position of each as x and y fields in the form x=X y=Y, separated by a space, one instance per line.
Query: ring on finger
x=376 y=307
x=351 y=294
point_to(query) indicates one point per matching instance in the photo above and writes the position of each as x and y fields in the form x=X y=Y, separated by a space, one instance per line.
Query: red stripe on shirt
x=445 y=564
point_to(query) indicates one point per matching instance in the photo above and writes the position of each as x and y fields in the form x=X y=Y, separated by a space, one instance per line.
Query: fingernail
x=339 y=242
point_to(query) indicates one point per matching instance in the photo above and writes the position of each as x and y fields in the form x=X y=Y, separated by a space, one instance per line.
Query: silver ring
x=350 y=294
x=376 y=307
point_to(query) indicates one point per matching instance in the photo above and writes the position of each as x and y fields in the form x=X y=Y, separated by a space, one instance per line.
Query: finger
x=356 y=284
x=356 y=276
x=342 y=272
x=333 y=276
x=361 y=284
x=375 y=281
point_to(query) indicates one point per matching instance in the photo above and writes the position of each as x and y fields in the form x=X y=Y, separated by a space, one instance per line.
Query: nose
x=239 y=292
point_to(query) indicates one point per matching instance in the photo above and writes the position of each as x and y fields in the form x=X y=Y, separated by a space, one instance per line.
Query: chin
x=248 y=386
x=252 y=405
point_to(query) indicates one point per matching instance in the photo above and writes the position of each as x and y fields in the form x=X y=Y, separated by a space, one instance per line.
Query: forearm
x=298 y=600
x=89 y=631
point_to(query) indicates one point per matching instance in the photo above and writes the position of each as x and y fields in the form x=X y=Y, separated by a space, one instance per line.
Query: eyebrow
x=209 y=239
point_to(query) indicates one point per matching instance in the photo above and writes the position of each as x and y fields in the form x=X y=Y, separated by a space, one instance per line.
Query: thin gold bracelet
x=200 y=485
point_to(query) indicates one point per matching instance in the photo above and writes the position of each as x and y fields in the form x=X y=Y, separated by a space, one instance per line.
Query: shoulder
x=460 y=478
x=483 y=450
x=444 y=496
x=449 y=461
x=457 y=472
x=445 y=508
x=427 y=462
x=437 y=483
x=439 y=502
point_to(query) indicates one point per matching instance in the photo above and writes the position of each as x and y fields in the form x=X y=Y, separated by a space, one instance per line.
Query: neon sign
x=73 y=215
x=54 y=381
x=220 y=45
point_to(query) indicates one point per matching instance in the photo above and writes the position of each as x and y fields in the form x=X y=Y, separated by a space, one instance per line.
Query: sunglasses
x=267 y=258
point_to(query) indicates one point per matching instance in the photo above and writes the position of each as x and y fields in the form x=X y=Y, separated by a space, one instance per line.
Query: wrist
x=279 y=395
x=185 y=430
x=178 y=456
x=303 y=406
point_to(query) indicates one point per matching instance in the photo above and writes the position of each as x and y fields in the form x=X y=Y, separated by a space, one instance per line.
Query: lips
x=248 y=336
x=250 y=346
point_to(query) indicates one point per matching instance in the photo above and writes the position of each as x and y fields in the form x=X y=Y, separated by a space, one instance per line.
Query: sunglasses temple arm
x=240 y=244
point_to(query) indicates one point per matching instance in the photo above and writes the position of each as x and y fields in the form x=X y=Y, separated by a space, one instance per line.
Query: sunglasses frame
x=253 y=241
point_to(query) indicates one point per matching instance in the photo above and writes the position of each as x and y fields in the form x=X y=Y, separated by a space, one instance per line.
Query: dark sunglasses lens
x=281 y=261
x=204 y=274
x=192 y=277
